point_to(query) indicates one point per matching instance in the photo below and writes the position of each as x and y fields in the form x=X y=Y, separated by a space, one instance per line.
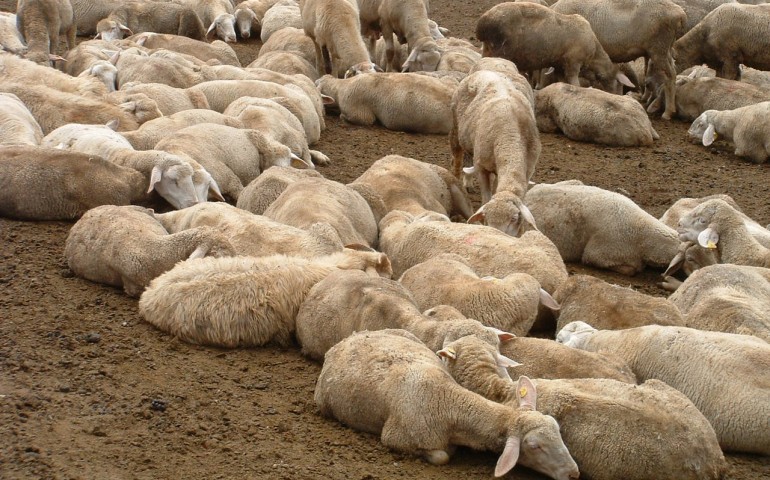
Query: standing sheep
x=243 y=301
x=747 y=127
x=10 y=37
x=127 y=247
x=724 y=375
x=40 y=23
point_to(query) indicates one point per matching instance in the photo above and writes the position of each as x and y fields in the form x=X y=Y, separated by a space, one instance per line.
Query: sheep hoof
x=437 y=457
x=666 y=116
x=319 y=158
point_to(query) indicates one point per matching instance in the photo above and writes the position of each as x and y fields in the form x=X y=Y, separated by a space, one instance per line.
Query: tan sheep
x=216 y=15
x=249 y=15
x=243 y=301
x=40 y=23
x=263 y=190
x=158 y=17
x=150 y=133
x=289 y=63
x=283 y=14
x=17 y=125
x=19 y=70
x=216 y=51
x=696 y=95
x=170 y=100
x=10 y=37
x=291 y=40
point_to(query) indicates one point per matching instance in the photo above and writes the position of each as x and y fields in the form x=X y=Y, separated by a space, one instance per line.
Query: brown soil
x=89 y=390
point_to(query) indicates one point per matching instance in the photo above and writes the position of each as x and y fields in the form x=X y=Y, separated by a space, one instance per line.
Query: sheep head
x=245 y=19
x=698 y=225
x=703 y=129
x=109 y=30
x=507 y=213
x=424 y=56
x=223 y=27
x=575 y=334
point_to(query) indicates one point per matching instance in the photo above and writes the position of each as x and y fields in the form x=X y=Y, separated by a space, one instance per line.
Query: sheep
x=217 y=17
x=158 y=69
x=543 y=358
x=169 y=175
x=313 y=200
x=291 y=40
x=263 y=190
x=334 y=27
x=19 y=70
x=629 y=30
x=457 y=55
x=40 y=22
x=392 y=100
x=347 y=302
x=731 y=391
x=747 y=127
x=493 y=122
x=87 y=13
x=150 y=133
x=39 y=183
x=10 y=37
x=283 y=14
x=749 y=75
x=249 y=15
x=601 y=228
x=216 y=51
x=409 y=240
x=729 y=35
x=696 y=95
x=509 y=303
x=286 y=62
x=276 y=122
x=242 y=301
x=157 y=17
x=696 y=10
x=611 y=307
x=715 y=224
x=583 y=407
x=390 y=384
x=590 y=115
x=170 y=100
x=125 y=246
x=255 y=235
x=17 y=125
x=534 y=37
x=403 y=183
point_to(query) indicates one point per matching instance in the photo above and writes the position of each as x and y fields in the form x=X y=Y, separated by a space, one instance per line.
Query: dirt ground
x=88 y=390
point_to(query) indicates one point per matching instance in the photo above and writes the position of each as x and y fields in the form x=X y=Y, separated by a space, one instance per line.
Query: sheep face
x=575 y=334
x=695 y=226
x=507 y=213
x=244 y=19
x=424 y=57
x=106 y=72
x=223 y=27
x=175 y=184
x=142 y=107
x=363 y=67
x=543 y=449
x=702 y=129
x=204 y=185
x=109 y=30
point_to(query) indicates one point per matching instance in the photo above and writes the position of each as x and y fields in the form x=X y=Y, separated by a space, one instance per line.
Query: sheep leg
x=319 y=59
x=572 y=73
x=390 y=50
x=669 y=87
x=457 y=151
x=359 y=115
x=485 y=184
x=730 y=69
x=398 y=436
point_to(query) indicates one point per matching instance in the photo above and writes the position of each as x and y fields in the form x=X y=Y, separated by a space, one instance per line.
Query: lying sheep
x=254 y=235
x=216 y=51
x=493 y=122
x=289 y=63
x=409 y=240
x=390 y=99
x=583 y=408
x=158 y=69
x=334 y=27
x=318 y=200
x=348 y=302
x=590 y=115
x=731 y=391
x=243 y=301
x=457 y=55
x=611 y=307
x=127 y=247
x=150 y=133
x=749 y=75
x=10 y=37
x=402 y=183
x=715 y=224
x=601 y=228
x=39 y=183
x=726 y=298
x=747 y=127
x=535 y=37
x=729 y=35
x=396 y=402
x=158 y=17
x=697 y=95
x=509 y=303
x=20 y=70
x=17 y=125
x=170 y=100
x=543 y=358
x=263 y=190
x=40 y=22
x=283 y=14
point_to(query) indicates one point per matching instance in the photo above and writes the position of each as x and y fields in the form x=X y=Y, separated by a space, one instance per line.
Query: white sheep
x=584 y=407
x=158 y=17
x=392 y=100
x=723 y=374
x=40 y=22
x=696 y=95
x=263 y=190
x=318 y=200
x=254 y=235
x=125 y=246
x=39 y=183
x=348 y=302
x=389 y=384
x=601 y=228
x=20 y=70
x=409 y=240
x=283 y=14
x=291 y=40
x=17 y=125
x=170 y=100
x=249 y=15
x=150 y=133
x=217 y=17
x=591 y=115
x=181 y=72
x=747 y=127
x=402 y=183
x=611 y=307
x=289 y=63
x=10 y=37
x=509 y=303
x=243 y=301
x=216 y=51
x=457 y=55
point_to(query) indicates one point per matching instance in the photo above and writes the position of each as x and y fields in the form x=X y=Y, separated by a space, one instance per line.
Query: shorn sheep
x=747 y=127
x=723 y=374
x=243 y=301
x=125 y=246
x=389 y=384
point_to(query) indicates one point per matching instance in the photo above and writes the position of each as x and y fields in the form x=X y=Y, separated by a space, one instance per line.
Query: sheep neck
x=736 y=244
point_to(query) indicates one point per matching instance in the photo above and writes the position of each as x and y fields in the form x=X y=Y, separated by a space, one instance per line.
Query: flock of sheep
x=419 y=320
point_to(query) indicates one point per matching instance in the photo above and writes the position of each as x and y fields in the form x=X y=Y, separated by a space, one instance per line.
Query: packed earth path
x=89 y=390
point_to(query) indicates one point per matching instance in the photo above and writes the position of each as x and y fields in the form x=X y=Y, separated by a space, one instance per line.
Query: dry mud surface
x=88 y=390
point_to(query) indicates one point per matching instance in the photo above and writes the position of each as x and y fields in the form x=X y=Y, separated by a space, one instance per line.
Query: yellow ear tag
x=716 y=135
x=523 y=392
x=711 y=245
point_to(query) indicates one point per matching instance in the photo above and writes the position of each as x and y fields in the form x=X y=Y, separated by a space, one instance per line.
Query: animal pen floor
x=89 y=390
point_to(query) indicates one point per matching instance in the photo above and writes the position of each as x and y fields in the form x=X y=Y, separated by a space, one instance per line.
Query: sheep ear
x=547 y=300
x=527 y=216
x=526 y=393
x=215 y=192
x=502 y=335
x=98 y=36
x=675 y=264
x=477 y=217
x=297 y=162
x=327 y=100
x=113 y=124
x=199 y=252
x=211 y=31
x=624 y=80
x=503 y=361
x=409 y=61
x=360 y=247
x=115 y=57
x=125 y=29
x=155 y=177
x=448 y=353
x=128 y=106
x=509 y=457
x=708 y=238
x=709 y=135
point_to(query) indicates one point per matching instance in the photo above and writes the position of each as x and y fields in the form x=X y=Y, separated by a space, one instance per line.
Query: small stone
x=65 y=388
x=93 y=337
x=158 y=405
